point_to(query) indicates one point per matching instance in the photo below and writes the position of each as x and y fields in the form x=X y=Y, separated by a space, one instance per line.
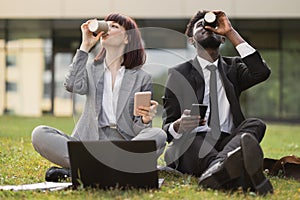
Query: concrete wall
x=146 y=8
x=27 y=75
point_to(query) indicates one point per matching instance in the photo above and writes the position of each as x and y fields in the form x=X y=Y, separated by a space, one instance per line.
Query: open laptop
x=118 y=164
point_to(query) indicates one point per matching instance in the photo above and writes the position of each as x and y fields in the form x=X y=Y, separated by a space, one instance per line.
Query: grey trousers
x=51 y=143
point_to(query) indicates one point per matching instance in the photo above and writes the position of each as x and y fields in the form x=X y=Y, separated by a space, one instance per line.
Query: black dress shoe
x=56 y=174
x=253 y=164
x=218 y=175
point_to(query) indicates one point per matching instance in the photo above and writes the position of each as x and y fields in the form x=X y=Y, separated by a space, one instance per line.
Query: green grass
x=20 y=164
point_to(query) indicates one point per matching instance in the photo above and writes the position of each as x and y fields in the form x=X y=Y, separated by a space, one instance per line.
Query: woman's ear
x=126 y=40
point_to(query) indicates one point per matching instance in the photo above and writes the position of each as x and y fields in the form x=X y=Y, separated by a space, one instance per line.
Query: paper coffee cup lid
x=93 y=25
x=210 y=17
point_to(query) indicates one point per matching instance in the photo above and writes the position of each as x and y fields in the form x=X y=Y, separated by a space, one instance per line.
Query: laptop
x=114 y=164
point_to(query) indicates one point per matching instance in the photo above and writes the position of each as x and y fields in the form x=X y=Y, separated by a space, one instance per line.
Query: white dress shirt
x=225 y=116
x=110 y=97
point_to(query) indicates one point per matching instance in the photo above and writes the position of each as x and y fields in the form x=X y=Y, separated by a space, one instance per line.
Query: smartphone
x=199 y=109
x=141 y=99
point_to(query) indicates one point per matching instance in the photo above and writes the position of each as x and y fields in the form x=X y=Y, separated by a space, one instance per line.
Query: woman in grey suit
x=109 y=84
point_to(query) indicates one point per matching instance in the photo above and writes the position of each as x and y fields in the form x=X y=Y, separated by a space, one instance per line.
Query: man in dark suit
x=223 y=148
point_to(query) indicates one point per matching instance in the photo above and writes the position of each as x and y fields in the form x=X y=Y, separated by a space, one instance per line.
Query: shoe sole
x=253 y=164
x=230 y=171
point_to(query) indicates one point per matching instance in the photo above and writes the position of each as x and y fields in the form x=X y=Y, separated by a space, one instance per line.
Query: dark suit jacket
x=185 y=85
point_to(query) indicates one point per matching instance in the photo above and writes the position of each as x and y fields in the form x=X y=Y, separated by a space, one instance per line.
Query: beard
x=209 y=42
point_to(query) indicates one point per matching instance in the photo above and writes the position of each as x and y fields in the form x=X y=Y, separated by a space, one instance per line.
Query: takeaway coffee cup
x=210 y=19
x=97 y=26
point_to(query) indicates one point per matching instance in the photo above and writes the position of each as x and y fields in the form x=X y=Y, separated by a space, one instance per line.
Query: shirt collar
x=121 y=70
x=203 y=63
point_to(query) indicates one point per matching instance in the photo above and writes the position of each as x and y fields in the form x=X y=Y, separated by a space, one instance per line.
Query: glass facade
x=279 y=44
x=277 y=40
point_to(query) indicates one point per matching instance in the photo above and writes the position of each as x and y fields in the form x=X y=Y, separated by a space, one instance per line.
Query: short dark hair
x=134 y=53
x=199 y=15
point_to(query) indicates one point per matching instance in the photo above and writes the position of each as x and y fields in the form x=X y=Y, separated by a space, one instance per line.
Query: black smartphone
x=199 y=109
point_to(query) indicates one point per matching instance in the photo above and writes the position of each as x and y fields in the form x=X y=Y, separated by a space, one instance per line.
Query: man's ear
x=223 y=39
x=191 y=41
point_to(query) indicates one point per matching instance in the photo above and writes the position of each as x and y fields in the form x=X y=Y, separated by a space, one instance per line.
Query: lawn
x=20 y=164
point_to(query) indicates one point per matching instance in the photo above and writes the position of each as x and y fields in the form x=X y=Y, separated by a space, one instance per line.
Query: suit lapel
x=197 y=66
x=98 y=80
x=125 y=90
x=231 y=94
x=227 y=84
x=198 y=79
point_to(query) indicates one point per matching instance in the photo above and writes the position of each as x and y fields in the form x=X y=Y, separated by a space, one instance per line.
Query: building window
x=11 y=87
x=11 y=60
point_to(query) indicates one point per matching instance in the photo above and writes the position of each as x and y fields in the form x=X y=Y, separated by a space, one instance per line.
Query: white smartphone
x=141 y=99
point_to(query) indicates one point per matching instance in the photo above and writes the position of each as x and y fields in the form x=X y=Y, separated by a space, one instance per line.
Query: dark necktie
x=214 y=109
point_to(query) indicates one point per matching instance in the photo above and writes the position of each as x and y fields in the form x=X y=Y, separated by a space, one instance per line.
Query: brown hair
x=134 y=53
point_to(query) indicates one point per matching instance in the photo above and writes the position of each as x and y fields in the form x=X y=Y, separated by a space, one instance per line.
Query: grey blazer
x=86 y=78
